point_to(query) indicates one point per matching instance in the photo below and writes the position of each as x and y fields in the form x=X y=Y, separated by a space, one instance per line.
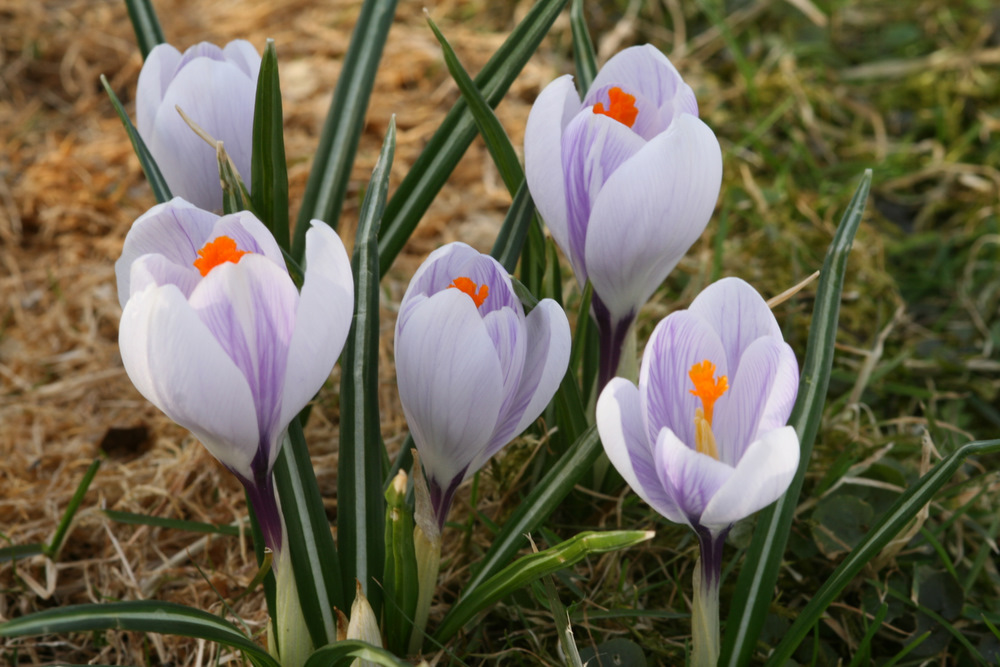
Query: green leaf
x=315 y=561
x=345 y=122
x=148 y=32
x=400 y=581
x=490 y=129
x=138 y=616
x=156 y=181
x=583 y=48
x=268 y=170
x=74 y=504
x=17 y=551
x=755 y=585
x=510 y=240
x=532 y=567
x=446 y=147
x=361 y=509
x=536 y=508
x=343 y=654
x=134 y=519
x=883 y=532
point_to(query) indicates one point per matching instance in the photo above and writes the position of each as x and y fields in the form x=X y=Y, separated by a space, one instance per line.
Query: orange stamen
x=218 y=251
x=621 y=108
x=469 y=287
x=706 y=387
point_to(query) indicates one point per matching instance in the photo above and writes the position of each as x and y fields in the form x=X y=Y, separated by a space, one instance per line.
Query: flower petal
x=638 y=68
x=594 y=146
x=156 y=74
x=761 y=477
x=175 y=229
x=623 y=434
x=765 y=384
x=543 y=165
x=450 y=384
x=664 y=197
x=220 y=98
x=692 y=479
x=738 y=313
x=322 y=320
x=678 y=342
x=242 y=53
x=547 y=356
x=250 y=235
x=177 y=364
x=157 y=270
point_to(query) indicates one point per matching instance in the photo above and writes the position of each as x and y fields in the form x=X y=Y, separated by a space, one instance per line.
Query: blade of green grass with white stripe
x=146 y=25
x=315 y=561
x=755 y=586
x=536 y=508
x=510 y=240
x=884 y=531
x=156 y=181
x=446 y=147
x=361 y=505
x=531 y=568
x=165 y=618
x=345 y=121
x=583 y=48
x=268 y=170
x=490 y=129
x=344 y=653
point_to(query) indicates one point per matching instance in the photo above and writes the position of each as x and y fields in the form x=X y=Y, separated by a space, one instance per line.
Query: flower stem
x=705 y=602
x=611 y=335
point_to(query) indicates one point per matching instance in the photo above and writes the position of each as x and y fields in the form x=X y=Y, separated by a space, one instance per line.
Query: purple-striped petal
x=322 y=319
x=175 y=361
x=244 y=55
x=455 y=260
x=594 y=146
x=650 y=212
x=623 y=434
x=738 y=312
x=691 y=478
x=250 y=235
x=154 y=78
x=638 y=68
x=506 y=329
x=543 y=169
x=761 y=477
x=679 y=341
x=450 y=382
x=157 y=270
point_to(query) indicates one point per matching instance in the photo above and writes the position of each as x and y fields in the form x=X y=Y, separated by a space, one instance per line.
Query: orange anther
x=706 y=386
x=621 y=108
x=217 y=251
x=469 y=287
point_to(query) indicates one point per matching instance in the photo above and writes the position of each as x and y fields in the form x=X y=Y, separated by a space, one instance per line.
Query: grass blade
x=531 y=568
x=583 y=48
x=146 y=25
x=510 y=240
x=14 y=552
x=314 y=556
x=343 y=654
x=156 y=181
x=268 y=170
x=361 y=512
x=536 y=508
x=755 y=586
x=457 y=131
x=52 y=548
x=492 y=132
x=883 y=532
x=338 y=143
x=134 y=519
x=139 y=616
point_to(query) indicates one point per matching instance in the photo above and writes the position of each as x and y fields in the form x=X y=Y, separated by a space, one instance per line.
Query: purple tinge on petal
x=158 y=270
x=680 y=341
x=623 y=434
x=250 y=235
x=648 y=120
x=200 y=50
x=738 y=412
x=250 y=309
x=157 y=73
x=594 y=146
x=506 y=329
x=691 y=478
x=456 y=260
x=638 y=68
x=738 y=313
x=243 y=54
x=264 y=500
x=175 y=229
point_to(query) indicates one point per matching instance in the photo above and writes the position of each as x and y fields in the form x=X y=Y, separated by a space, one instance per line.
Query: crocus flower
x=626 y=182
x=703 y=438
x=217 y=89
x=473 y=370
x=215 y=334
